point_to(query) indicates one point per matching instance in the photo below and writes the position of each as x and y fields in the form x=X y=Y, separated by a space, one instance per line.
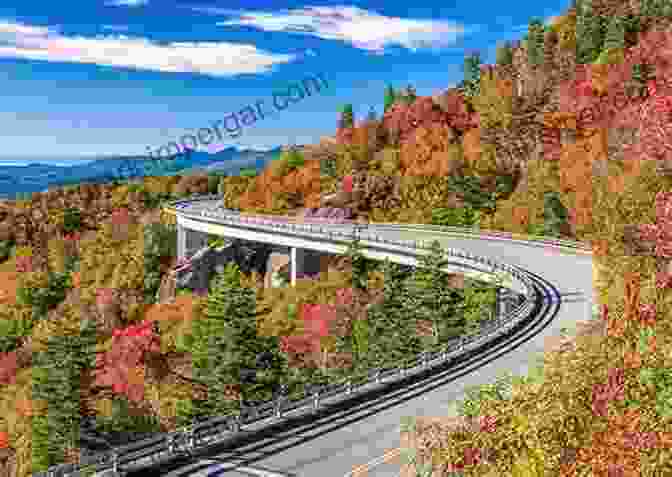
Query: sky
x=91 y=78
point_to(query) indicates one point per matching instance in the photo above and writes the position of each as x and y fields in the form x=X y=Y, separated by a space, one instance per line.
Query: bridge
x=336 y=439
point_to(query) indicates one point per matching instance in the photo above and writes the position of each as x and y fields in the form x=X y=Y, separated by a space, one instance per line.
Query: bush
x=250 y=172
x=72 y=220
x=44 y=298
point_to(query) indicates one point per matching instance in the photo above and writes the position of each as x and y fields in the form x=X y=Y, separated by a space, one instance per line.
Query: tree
x=504 y=55
x=431 y=298
x=390 y=97
x=226 y=342
x=347 y=116
x=392 y=333
x=589 y=33
x=409 y=94
x=535 y=43
x=472 y=74
x=360 y=265
x=614 y=41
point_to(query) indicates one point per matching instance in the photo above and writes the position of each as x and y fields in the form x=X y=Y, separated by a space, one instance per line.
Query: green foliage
x=225 y=341
x=555 y=214
x=390 y=97
x=294 y=158
x=72 y=219
x=121 y=419
x=469 y=187
x=249 y=172
x=347 y=116
x=393 y=333
x=160 y=240
x=431 y=298
x=456 y=217
x=360 y=265
x=43 y=299
x=5 y=249
x=56 y=374
x=504 y=55
x=654 y=9
x=590 y=32
x=661 y=380
x=472 y=74
x=12 y=332
x=360 y=337
x=475 y=396
x=535 y=44
x=328 y=167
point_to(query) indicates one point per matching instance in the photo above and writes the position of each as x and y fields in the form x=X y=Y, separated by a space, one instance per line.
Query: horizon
x=117 y=78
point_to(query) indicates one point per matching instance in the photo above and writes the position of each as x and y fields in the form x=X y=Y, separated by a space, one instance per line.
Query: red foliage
x=4 y=440
x=402 y=119
x=614 y=389
x=8 y=367
x=24 y=264
x=130 y=349
x=347 y=184
x=661 y=232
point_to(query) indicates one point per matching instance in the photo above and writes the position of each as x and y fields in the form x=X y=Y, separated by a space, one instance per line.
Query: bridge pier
x=303 y=262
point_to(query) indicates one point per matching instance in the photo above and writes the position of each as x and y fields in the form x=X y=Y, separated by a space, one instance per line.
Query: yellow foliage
x=495 y=101
x=565 y=26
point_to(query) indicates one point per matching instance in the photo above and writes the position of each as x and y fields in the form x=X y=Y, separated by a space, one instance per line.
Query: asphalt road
x=367 y=433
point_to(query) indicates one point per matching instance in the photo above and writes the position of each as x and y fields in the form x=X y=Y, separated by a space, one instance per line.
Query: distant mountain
x=37 y=177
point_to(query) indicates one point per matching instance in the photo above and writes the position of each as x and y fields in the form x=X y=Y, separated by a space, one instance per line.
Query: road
x=337 y=445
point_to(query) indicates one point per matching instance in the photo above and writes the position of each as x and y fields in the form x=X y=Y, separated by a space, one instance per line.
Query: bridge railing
x=148 y=452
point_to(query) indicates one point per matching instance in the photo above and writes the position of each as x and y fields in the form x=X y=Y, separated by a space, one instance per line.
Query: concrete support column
x=181 y=241
x=296 y=263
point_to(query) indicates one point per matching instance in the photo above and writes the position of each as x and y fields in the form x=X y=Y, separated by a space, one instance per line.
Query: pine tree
x=226 y=342
x=390 y=97
x=431 y=298
x=392 y=332
x=589 y=33
x=472 y=74
x=614 y=41
x=504 y=54
x=409 y=94
x=535 y=44
x=347 y=116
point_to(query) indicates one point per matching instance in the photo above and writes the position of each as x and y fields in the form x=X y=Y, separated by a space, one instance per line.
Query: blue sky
x=84 y=78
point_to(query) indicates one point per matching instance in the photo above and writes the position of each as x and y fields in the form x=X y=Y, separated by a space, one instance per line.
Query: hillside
x=511 y=149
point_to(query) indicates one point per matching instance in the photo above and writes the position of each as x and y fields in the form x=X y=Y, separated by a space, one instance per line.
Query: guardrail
x=147 y=452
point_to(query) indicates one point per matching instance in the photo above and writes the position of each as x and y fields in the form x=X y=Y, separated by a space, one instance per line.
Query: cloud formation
x=207 y=58
x=363 y=29
x=126 y=3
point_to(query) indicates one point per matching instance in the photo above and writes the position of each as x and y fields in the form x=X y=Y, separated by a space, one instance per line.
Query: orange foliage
x=304 y=180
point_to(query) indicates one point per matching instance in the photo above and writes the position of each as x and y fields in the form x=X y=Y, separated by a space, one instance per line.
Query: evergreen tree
x=392 y=332
x=226 y=344
x=347 y=116
x=390 y=97
x=431 y=298
x=589 y=33
x=614 y=41
x=472 y=74
x=504 y=54
x=360 y=265
x=556 y=215
x=535 y=43
x=409 y=94
x=56 y=380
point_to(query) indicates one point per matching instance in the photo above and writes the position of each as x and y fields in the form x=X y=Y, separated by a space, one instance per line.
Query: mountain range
x=16 y=181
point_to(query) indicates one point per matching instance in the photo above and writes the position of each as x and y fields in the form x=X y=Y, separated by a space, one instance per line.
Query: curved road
x=363 y=441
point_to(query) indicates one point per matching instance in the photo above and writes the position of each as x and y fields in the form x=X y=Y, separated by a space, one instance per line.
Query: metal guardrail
x=202 y=435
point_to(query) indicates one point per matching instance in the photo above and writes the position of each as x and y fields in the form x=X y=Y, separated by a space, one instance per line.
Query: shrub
x=72 y=220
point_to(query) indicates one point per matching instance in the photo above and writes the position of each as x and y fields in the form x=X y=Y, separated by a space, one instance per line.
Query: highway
x=364 y=440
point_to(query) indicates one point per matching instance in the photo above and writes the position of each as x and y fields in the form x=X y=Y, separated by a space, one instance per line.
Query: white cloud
x=361 y=28
x=115 y=27
x=126 y=3
x=207 y=58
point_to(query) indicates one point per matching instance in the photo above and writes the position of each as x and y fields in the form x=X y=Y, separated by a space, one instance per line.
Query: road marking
x=387 y=457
